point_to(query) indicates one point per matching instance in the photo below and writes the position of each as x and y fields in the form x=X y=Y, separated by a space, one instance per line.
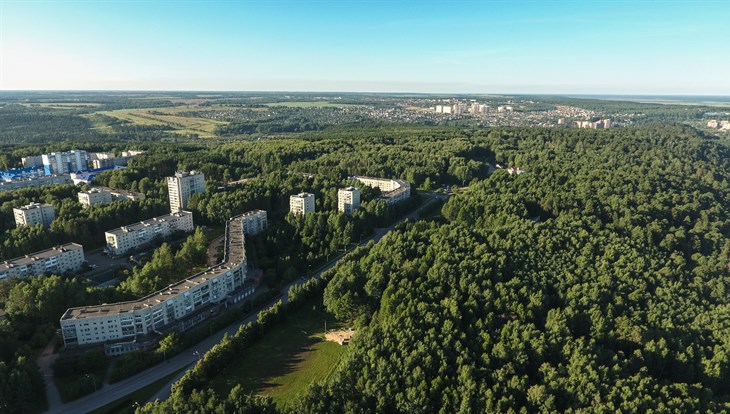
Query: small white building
x=34 y=213
x=301 y=204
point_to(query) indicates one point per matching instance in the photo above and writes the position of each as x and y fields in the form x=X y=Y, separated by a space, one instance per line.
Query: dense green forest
x=614 y=300
x=594 y=281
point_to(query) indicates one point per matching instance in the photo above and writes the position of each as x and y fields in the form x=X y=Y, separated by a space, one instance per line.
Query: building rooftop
x=148 y=223
x=32 y=206
x=234 y=254
x=187 y=174
x=43 y=254
x=115 y=191
x=303 y=195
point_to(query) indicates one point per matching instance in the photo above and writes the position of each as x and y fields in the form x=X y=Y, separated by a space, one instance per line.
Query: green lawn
x=287 y=360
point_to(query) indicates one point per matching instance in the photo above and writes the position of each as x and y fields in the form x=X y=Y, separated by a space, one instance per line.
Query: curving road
x=186 y=359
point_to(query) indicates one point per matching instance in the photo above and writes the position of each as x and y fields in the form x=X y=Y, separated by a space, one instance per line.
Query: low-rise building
x=132 y=236
x=301 y=204
x=35 y=182
x=393 y=191
x=254 y=222
x=94 y=196
x=127 y=326
x=348 y=200
x=57 y=260
x=34 y=213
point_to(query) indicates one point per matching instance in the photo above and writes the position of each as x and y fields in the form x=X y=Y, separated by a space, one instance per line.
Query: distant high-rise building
x=348 y=200
x=34 y=213
x=65 y=162
x=183 y=185
x=301 y=204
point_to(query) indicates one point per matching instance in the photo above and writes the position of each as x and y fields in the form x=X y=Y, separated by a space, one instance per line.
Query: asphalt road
x=187 y=358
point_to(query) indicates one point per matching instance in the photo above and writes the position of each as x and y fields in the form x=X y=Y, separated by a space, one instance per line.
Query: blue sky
x=609 y=47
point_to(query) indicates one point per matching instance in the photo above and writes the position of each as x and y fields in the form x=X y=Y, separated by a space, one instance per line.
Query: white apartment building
x=393 y=191
x=34 y=213
x=125 y=238
x=57 y=260
x=254 y=222
x=181 y=186
x=95 y=196
x=348 y=200
x=301 y=204
x=65 y=162
x=178 y=306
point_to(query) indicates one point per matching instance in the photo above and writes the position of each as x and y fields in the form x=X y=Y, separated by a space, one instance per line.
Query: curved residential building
x=179 y=306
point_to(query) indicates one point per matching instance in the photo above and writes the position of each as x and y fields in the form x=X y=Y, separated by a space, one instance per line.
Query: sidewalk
x=45 y=362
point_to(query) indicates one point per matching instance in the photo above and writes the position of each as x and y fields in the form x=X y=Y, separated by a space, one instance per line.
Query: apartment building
x=301 y=204
x=35 y=182
x=94 y=196
x=104 y=195
x=348 y=200
x=34 y=213
x=393 y=191
x=183 y=185
x=254 y=222
x=65 y=162
x=126 y=238
x=57 y=260
x=126 y=326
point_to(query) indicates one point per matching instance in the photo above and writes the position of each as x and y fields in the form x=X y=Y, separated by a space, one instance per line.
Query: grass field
x=287 y=360
x=170 y=116
x=317 y=104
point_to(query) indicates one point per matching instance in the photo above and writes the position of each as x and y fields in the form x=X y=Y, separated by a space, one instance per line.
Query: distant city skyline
x=468 y=47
